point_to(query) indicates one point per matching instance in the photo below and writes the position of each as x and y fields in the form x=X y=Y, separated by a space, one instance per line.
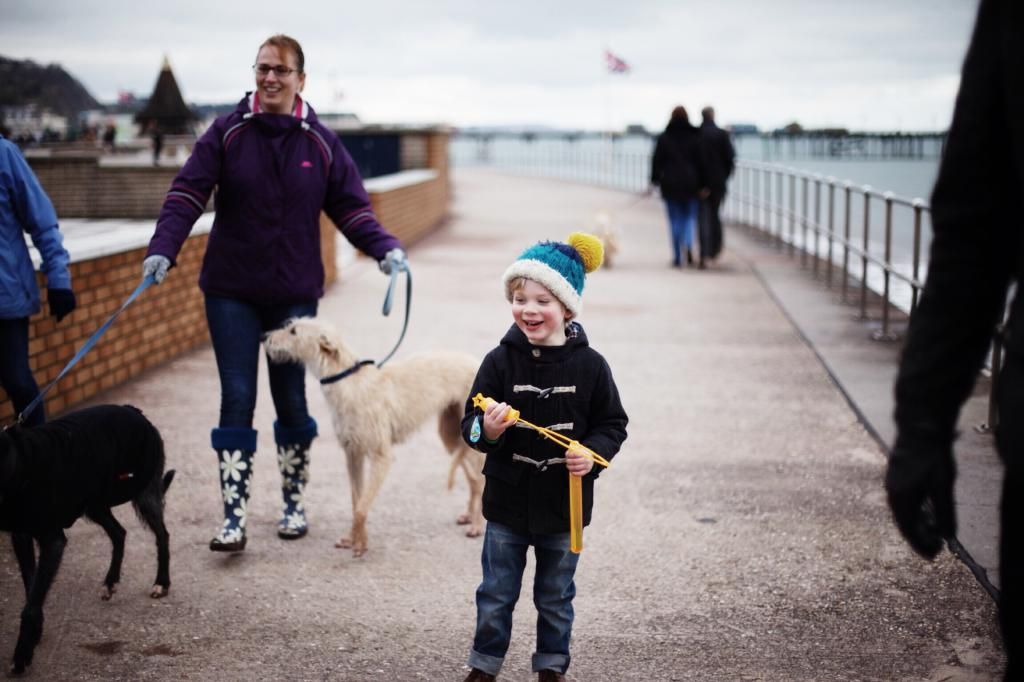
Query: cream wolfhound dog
x=375 y=408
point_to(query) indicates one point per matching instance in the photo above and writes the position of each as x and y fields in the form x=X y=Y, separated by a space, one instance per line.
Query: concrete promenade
x=741 y=534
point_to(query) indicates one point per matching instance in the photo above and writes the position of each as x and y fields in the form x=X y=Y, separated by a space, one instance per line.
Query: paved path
x=742 y=533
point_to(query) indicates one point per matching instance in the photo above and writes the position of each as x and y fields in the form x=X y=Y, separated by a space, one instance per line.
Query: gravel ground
x=742 y=533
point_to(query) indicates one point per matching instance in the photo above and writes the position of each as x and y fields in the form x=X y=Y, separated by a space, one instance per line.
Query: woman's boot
x=235 y=448
x=293 y=462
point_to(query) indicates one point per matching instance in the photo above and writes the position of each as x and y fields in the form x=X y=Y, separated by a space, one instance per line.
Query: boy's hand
x=496 y=420
x=577 y=463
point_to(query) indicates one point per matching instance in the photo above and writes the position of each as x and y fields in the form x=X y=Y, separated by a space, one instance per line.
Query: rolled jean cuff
x=557 y=662
x=488 y=664
x=291 y=435
x=233 y=438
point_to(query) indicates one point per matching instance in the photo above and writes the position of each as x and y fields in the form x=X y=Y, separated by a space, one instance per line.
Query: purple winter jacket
x=274 y=173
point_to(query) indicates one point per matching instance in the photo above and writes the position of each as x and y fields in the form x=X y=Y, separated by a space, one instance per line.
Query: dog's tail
x=449 y=426
x=168 y=477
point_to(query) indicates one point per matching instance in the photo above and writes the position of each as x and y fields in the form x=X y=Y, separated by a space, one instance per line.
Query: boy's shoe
x=479 y=676
x=550 y=676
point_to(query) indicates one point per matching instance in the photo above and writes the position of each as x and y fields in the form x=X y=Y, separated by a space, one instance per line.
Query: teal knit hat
x=561 y=268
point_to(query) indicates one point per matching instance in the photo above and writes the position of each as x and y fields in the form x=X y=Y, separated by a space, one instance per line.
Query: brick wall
x=145 y=334
x=413 y=211
x=80 y=187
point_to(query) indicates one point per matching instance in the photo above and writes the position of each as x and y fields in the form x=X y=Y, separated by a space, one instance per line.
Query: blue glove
x=156 y=266
x=62 y=302
x=393 y=261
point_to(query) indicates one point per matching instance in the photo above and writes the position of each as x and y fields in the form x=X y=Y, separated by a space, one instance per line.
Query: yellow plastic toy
x=575 y=482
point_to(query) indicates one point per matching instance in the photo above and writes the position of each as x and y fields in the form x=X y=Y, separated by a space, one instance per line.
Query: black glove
x=62 y=302
x=919 y=481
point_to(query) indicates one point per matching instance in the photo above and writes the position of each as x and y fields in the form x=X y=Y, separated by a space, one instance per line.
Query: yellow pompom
x=589 y=247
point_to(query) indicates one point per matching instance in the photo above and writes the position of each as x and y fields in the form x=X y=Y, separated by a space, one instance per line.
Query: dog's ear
x=328 y=348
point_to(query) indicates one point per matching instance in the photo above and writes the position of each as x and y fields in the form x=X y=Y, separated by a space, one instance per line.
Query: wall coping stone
x=87 y=239
x=407 y=178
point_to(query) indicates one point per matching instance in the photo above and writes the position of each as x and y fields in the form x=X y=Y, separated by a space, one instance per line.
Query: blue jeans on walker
x=503 y=560
x=235 y=329
x=682 y=216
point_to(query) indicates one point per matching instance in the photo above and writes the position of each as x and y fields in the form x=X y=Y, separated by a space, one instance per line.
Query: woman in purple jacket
x=275 y=168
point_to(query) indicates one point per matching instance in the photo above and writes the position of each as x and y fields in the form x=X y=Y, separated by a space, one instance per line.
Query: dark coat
x=678 y=166
x=583 y=405
x=274 y=174
x=719 y=155
x=978 y=245
x=50 y=473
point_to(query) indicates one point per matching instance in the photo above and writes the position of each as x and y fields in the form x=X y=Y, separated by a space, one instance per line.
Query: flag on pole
x=614 y=63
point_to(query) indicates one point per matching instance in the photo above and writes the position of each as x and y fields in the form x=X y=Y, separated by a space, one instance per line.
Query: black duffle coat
x=568 y=389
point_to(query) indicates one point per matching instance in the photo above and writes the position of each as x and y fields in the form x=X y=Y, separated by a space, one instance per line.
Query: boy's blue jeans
x=682 y=216
x=504 y=559
x=235 y=329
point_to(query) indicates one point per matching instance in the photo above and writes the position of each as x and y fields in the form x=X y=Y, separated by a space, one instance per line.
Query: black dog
x=81 y=464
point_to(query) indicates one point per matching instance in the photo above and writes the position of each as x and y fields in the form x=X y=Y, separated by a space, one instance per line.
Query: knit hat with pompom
x=561 y=268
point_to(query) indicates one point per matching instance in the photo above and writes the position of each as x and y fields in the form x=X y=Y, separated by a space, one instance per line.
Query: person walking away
x=721 y=160
x=157 y=135
x=678 y=168
x=25 y=208
x=110 y=138
x=977 y=256
x=275 y=167
x=546 y=368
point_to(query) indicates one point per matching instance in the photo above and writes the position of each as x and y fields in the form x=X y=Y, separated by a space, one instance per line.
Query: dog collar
x=351 y=370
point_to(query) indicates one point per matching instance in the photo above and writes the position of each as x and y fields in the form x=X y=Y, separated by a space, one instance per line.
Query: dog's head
x=312 y=342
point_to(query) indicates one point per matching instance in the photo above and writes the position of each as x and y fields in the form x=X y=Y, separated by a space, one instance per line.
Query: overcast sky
x=866 y=65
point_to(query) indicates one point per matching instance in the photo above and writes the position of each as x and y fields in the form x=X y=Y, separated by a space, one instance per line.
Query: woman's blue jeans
x=235 y=329
x=15 y=374
x=504 y=560
x=682 y=217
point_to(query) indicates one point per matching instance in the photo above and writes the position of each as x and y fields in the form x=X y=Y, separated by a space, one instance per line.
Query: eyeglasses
x=280 y=70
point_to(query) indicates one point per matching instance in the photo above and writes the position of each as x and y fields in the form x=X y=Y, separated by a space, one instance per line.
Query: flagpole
x=605 y=141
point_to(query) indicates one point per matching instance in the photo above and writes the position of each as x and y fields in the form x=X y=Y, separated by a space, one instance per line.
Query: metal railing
x=801 y=212
x=862 y=257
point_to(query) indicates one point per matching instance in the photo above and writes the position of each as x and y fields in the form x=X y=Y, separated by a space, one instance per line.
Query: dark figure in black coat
x=81 y=464
x=721 y=159
x=977 y=253
x=678 y=167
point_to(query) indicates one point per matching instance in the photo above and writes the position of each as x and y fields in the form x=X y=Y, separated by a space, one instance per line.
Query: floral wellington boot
x=293 y=463
x=235 y=480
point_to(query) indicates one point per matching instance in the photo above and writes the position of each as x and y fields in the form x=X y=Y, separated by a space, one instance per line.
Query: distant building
x=742 y=129
x=340 y=121
x=32 y=122
x=166 y=109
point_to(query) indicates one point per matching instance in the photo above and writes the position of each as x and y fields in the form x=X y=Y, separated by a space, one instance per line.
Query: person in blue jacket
x=24 y=207
x=275 y=168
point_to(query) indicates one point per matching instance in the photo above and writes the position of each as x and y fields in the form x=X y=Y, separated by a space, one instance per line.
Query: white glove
x=156 y=266
x=393 y=261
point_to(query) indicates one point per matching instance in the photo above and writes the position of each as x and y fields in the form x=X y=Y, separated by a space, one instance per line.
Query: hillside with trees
x=48 y=86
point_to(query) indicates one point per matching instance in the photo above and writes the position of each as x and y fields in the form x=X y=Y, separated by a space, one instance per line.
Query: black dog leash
x=86 y=347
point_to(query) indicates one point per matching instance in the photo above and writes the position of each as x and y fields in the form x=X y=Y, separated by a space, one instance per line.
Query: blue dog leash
x=404 y=266
x=86 y=347
x=388 y=300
